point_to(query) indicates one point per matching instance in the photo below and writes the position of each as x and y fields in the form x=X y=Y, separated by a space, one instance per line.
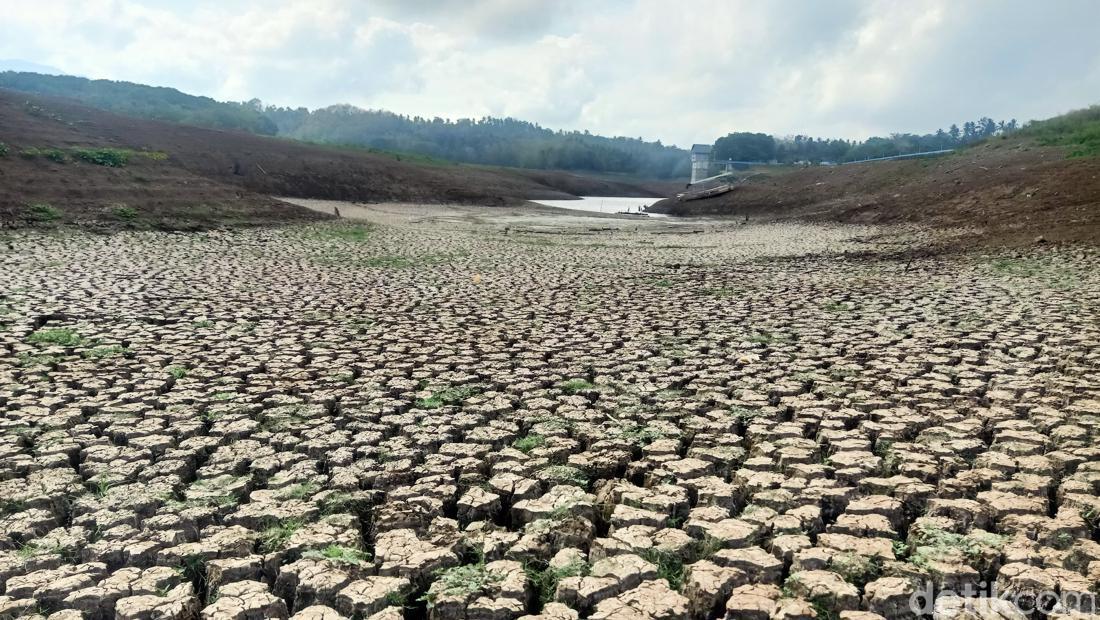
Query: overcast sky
x=679 y=71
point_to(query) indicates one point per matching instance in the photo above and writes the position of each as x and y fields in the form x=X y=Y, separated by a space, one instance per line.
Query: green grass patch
x=565 y=474
x=448 y=396
x=27 y=360
x=545 y=579
x=528 y=443
x=104 y=352
x=1020 y=267
x=124 y=213
x=340 y=555
x=1046 y=271
x=298 y=491
x=463 y=582
x=1078 y=130
x=639 y=434
x=744 y=415
x=276 y=536
x=61 y=337
x=34 y=548
x=340 y=502
x=931 y=545
x=574 y=386
x=858 y=570
x=42 y=212
x=761 y=337
x=109 y=157
x=670 y=566
x=177 y=372
x=53 y=154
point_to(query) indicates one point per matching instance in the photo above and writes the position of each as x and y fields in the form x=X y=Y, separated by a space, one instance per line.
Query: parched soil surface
x=1009 y=191
x=460 y=412
x=222 y=178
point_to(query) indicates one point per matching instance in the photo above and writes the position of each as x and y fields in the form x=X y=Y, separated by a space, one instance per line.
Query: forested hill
x=746 y=146
x=491 y=141
x=152 y=102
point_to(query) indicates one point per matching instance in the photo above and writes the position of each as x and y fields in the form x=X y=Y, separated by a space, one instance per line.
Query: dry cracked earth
x=462 y=413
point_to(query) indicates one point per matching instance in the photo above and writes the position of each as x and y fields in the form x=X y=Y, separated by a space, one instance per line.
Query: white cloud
x=681 y=72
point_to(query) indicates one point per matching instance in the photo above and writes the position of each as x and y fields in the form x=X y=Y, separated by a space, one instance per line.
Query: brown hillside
x=144 y=192
x=1010 y=189
x=211 y=175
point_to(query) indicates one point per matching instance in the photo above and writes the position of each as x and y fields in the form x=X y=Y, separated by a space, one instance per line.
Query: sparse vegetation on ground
x=450 y=446
x=1079 y=131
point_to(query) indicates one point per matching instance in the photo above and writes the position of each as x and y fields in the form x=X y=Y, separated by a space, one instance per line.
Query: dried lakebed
x=454 y=412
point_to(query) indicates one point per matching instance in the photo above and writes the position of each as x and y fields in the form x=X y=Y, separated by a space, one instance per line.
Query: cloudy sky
x=677 y=71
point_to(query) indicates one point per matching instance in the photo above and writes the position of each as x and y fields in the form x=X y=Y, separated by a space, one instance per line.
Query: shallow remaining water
x=602 y=204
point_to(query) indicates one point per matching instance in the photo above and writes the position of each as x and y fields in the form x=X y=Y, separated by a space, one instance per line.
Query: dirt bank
x=1010 y=190
x=202 y=174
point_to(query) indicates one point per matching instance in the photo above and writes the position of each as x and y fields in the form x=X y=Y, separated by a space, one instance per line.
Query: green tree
x=745 y=146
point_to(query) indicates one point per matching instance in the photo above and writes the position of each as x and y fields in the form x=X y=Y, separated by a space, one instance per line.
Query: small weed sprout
x=670 y=566
x=761 y=337
x=545 y=579
x=102 y=486
x=298 y=491
x=641 y=435
x=125 y=213
x=276 y=536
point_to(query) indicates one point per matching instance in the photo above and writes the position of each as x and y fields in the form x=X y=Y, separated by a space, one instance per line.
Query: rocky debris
x=758 y=565
x=825 y=588
x=341 y=420
x=649 y=600
x=245 y=600
x=371 y=595
x=321 y=612
x=753 y=602
x=980 y=608
x=402 y=553
x=179 y=603
x=708 y=585
x=606 y=578
x=890 y=597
